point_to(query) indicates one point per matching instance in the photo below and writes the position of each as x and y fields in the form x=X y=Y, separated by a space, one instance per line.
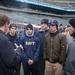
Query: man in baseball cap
x=54 y=50
x=54 y=23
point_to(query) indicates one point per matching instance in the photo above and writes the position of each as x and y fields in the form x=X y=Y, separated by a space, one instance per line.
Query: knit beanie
x=29 y=26
x=45 y=21
x=12 y=25
x=72 y=22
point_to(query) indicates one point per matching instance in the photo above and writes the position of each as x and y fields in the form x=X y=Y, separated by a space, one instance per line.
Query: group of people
x=41 y=53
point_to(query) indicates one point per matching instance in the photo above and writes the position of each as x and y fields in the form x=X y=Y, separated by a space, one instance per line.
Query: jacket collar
x=2 y=32
x=53 y=34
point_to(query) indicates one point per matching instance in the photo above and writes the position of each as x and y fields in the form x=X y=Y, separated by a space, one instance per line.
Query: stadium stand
x=61 y=3
x=23 y=17
x=53 y=6
x=27 y=15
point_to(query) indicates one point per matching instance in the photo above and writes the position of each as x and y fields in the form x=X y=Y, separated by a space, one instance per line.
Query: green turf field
x=21 y=71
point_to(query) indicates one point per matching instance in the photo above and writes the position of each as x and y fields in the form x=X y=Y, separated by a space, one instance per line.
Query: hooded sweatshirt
x=31 y=47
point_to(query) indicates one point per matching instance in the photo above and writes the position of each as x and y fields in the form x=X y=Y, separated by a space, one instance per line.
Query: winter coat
x=55 y=47
x=41 y=34
x=70 y=60
x=13 y=39
x=8 y=57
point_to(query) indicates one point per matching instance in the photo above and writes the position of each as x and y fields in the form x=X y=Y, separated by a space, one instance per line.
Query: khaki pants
x=53 y=68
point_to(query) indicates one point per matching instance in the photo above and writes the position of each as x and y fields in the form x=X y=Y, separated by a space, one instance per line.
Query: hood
x=30 y=35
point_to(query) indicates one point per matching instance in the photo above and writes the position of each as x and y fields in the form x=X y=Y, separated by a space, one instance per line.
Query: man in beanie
x=70 y=60
x=41 y=34
x=45 y=21
x=54 y=50
x=31 y=47
x=12 y=34
x=12 y=25
x=13 y=37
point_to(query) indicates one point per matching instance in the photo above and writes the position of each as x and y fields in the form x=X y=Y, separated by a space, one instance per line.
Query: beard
x=72 y=34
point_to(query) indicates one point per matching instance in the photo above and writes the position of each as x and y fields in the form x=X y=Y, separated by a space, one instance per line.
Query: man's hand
x=21 y=47
x=18 y=47
x=30 y=62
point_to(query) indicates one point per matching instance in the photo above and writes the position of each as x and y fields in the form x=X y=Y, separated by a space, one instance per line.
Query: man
x=12 y=34
x=70 y=60
x=68 y=36
x=61 y=28
x=14 y=39
x=41 y=34
x=31 y=47
x=55 y=50
x=8 y=57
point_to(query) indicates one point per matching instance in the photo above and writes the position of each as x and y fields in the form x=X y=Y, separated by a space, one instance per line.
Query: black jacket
x=41 y=34
x=8 y=57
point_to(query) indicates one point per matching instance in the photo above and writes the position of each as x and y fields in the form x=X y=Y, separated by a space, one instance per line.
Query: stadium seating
x=61 y=3
x=19 y=17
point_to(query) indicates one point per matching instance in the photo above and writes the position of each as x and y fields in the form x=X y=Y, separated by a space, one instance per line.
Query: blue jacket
x=14 y=39
x=41 y=34
x=31 y=47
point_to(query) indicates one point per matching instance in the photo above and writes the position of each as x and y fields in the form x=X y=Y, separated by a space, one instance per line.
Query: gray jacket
x=70 y=60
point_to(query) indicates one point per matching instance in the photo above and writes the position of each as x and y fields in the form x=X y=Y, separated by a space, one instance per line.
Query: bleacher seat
x=61 y=3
